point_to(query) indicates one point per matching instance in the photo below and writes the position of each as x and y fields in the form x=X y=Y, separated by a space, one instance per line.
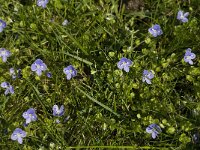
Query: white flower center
x=182 y=16
x=3 y=52
x=38 y=66
x=155 y=31
x=18 y=135
x=188 y=57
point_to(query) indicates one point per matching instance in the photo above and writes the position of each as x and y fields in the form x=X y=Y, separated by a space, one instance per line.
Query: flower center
x=124 y=63
x=188 y=57
x=38 y=66
x=155 y=31
x=182 y=17
x=18 y=135
x=58 y=112
x=3 y=52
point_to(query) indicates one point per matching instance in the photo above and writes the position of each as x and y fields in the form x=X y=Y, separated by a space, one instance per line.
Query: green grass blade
x=99 y=103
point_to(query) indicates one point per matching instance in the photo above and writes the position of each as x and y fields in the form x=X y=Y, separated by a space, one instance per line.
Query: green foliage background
x=106 y=107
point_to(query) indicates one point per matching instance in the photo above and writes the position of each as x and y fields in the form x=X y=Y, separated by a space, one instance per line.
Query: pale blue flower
x=8 y=87
x=13 y=73
x=30 y=115
x=57 y=121
x=18 y=135
x=147 y=76
x=182 y=16
x=4 y=54
x=155 y=30
x=42 y=3
x=154 y=130
x=49 y=74
x=38 y=66
x=57 y=111
x=195 y=137
x=124 y=63
x=2 y=25
x=65 y=22
x=70 y=71
x=189 y=56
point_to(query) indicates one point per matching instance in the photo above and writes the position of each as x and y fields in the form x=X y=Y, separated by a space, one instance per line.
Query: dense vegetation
x=99 y=74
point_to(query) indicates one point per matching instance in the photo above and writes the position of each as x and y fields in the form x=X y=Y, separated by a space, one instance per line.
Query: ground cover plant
x=101 y=74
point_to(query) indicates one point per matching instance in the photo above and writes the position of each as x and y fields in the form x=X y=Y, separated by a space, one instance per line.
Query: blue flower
x=13 y=74
x=2 y=25
x=124 y=63
x=57 y=111
x=19 y=73
x=38 y=66
x=8 y=87
x=147 y=76
x=189 y=56
x=30 y=115
x=154 y=129
x=25 y=124
x=195 y=137
x=18 y=135
x=155 y=30
x=57 y=121
x=70 y=71
x=4 y=54
x=42 y=3
x=65 y=22
x=49 y=74
x=182 y=16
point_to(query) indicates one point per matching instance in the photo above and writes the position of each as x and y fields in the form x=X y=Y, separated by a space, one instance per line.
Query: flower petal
x=28 y=120
x=39 y=72
x=6 y=91
x=14 y=137
x=186 y=14
x=31 y=111
x=55 y=110
x=4 y=58
x=184 y=20
x=23 y=133
x=193 y=56
x=11 y=89
x=148 y=81
x=149 y=129
x=126 y=68
x=69 y=76
x=4 y=84
x=150 y=75
x=1 y=29
x=154 y=134
x=61 y=110
x=20 y=140
x=25 y=115
x=190 y=62
x=43 y=67
x=33 y=67
x=180 y=13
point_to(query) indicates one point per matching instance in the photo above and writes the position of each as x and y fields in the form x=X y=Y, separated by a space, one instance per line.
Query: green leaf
x=171 y=130
x=184 y=139
x=58 y=4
